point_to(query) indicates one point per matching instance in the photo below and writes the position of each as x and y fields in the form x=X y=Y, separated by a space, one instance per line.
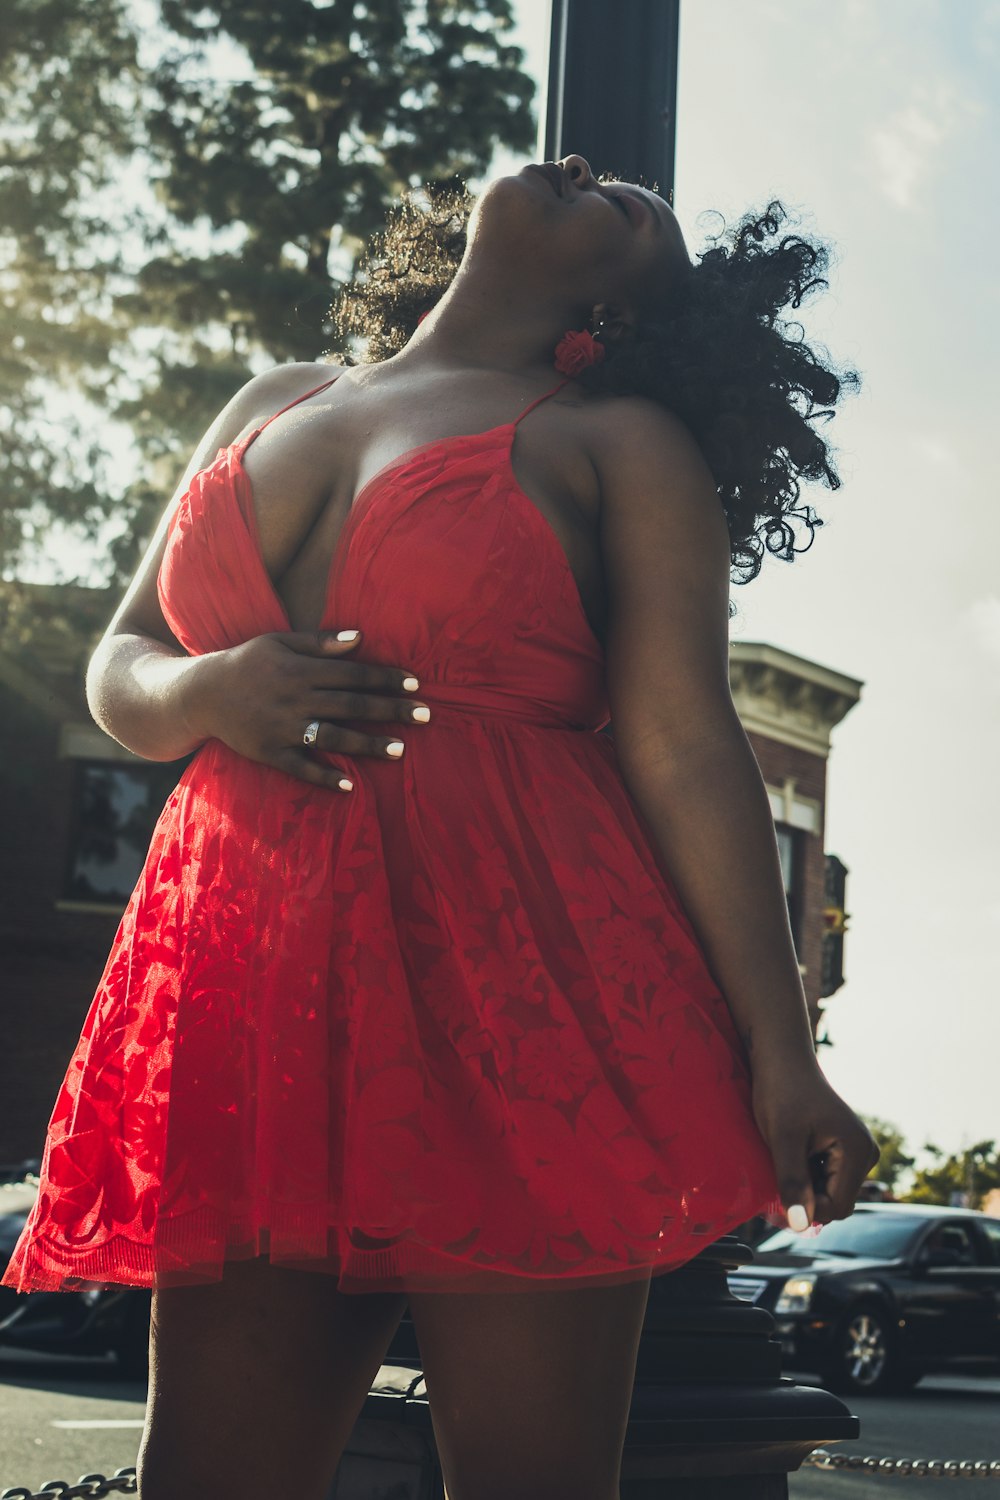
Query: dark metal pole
x=612 y=89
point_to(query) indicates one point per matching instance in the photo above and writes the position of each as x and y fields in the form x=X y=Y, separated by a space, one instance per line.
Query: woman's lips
x=551 y=173
x=638 y=209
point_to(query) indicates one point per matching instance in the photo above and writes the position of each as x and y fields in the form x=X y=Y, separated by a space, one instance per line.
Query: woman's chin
x=513 y=207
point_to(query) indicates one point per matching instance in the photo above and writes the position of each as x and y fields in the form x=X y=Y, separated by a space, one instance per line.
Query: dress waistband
x=452 y=705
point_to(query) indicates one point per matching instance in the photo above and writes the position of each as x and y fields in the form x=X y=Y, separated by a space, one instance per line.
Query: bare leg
x=529 y=1391
x=255 y=1382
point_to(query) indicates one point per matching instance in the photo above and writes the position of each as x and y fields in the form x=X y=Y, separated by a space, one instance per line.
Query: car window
x=956 y=1240
x=881 y=1235
x=991 y=1229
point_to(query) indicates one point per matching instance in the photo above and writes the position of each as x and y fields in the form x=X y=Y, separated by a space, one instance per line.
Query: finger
x=845 y=1171
x=318 y=642
x=334 y=739
x=360 y=676
x=819 y=1165
x=334 y=646
x=339 y=705
x=318 y=773
x=824 y=1211
x=791 y=1165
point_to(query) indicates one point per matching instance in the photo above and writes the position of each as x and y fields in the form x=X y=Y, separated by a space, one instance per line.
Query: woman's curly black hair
x=717 y=353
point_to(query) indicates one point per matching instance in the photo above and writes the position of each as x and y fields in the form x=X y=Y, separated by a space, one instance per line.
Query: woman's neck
x=480 y=326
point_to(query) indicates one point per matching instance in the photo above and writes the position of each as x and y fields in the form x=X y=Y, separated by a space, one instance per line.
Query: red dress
x=450 y=1031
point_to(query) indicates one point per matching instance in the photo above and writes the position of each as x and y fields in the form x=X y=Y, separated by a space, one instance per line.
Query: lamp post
x=612 y=87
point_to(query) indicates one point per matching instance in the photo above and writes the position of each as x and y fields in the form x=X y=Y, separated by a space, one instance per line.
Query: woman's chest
x=306 y=479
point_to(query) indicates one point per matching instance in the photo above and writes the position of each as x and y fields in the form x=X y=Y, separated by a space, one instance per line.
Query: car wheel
x=865 y=1360
x=132 y=1347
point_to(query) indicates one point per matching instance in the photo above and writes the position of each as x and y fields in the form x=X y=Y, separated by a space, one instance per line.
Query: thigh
x=529 y=1391
x=255 y=1382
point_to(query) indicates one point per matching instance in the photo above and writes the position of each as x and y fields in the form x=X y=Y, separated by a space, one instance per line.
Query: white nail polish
x=798 y=1219
x=395 y=747
x=347 y=635
x=422 y=713
x=410 y=684
x=345 y=785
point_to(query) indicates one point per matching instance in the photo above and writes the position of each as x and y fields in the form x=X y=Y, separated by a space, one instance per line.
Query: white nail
x=411 y=684
x=395 y=747
x=347 y=635
x=422 y=713
x=798 y=1219
x=345 y=785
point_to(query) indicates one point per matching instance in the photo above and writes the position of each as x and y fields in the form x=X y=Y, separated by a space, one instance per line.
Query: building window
x=790 y=852
x=116 y=807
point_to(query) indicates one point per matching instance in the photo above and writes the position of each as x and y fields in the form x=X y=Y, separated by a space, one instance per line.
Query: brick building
x=77 y=810
x=789 y=706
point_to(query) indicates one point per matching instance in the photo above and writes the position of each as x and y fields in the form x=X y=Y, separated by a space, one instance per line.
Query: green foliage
x=184 y=188
x=964 y=1176
x=333 y=110
x=67 y=75
x=894 y=1161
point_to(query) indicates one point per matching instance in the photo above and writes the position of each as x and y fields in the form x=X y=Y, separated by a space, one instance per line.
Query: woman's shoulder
x=267 y=392
x=632 y=417
x=633 y=433
x=259 y=398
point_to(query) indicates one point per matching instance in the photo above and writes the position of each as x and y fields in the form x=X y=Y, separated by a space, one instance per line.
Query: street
x=61 y=1418
x=946 y=1417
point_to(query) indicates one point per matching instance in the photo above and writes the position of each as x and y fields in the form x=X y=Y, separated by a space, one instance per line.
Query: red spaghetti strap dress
x=450 y=1031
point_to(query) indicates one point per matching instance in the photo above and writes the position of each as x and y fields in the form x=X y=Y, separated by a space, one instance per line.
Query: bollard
x=391 y=1453
x=710 y=1410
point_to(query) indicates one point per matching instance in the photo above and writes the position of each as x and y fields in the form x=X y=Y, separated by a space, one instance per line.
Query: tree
x=894 y=1160
x=964 y=1177
x=183 y=187
x=68 y=74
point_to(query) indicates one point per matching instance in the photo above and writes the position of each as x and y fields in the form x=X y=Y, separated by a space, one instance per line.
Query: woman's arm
x=682 y=750
x=142 y=687
x=149 y=695
x=686 y=759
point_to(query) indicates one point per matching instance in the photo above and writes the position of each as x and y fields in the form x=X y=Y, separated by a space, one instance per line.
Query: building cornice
x=789 y=698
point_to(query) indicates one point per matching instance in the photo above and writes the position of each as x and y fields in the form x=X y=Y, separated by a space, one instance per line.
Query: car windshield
x=883 y=1236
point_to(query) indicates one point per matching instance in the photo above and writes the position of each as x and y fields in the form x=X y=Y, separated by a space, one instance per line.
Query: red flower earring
x=576 y=350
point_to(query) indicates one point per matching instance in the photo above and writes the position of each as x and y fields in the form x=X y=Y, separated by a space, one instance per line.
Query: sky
x=877 y=124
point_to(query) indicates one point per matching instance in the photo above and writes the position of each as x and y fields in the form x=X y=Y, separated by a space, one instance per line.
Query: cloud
x=905 y=148
x=983 y=618
x=936 y=449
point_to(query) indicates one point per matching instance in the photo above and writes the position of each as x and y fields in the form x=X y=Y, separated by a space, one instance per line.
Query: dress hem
x=402 y=1267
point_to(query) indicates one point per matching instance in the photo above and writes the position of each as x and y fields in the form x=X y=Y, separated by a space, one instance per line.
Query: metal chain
x=87 y=1487
x=123 y=1481
x=930 y=1468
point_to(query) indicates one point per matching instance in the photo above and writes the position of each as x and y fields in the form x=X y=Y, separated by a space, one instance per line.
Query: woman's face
x=594 y=241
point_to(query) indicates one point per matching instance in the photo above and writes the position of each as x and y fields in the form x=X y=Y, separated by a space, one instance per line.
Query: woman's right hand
x=822 y=1151
x=259 y=696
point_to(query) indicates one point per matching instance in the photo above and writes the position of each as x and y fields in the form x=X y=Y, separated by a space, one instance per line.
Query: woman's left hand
x=822 y=1151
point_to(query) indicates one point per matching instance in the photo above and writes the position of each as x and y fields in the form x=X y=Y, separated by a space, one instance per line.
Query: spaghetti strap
x=539 y=399
x=256 y=431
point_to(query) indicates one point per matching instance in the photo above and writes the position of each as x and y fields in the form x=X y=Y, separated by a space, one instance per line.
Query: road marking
x=96 y=1422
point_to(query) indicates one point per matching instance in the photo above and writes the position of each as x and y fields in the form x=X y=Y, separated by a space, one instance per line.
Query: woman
x=480 y=1002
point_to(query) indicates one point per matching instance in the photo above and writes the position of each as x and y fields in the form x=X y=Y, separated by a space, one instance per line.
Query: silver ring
x=311 y=731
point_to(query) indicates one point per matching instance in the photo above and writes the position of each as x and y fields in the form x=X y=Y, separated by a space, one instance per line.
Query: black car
x=876 y=1301
x=114 y=1320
